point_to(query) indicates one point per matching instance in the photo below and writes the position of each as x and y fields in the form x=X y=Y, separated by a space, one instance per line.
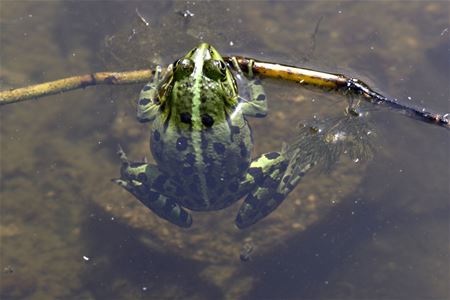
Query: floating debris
x=186 y=13
x=141 y=17
x=246 y=251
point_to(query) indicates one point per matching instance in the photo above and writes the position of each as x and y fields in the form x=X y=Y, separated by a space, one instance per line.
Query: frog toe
x=119 y=181
x=123 y=157
x=257 y=206
x=133 y=186
x=246 y=216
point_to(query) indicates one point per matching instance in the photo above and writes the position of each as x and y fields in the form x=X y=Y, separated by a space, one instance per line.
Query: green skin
x=202 y=144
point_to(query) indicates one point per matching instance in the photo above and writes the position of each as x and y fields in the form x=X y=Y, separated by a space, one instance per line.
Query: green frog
x=202 y=143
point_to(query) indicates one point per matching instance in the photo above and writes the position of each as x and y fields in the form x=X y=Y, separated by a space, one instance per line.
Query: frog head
x=201 y=90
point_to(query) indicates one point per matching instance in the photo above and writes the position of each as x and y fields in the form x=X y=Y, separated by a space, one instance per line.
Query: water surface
x=381 y=231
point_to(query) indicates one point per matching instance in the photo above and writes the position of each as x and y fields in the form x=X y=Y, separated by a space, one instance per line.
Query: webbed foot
x=283 y=172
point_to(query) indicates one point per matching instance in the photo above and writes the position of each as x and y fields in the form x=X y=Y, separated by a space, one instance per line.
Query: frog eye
x=182 y=68
x=215 y=69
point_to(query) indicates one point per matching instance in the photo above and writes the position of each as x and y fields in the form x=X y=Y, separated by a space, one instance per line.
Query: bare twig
x=343 y=84
x=73 y=83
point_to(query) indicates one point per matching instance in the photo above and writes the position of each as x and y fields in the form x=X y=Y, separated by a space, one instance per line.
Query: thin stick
x=73 y=83
x=340 y=83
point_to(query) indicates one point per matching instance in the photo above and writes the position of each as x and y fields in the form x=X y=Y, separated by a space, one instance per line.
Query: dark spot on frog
x=208 y=160
x=185 y=117
x=260 y=115
x=244 y=151
x=181 y=143
x=235 y=129
x=146 y=88
x=261 y=97
x=290 y=186
x=219 y=148
x=286 y=178
x=207 y=120
x=252 y=201
x=144 y=101
x=257 y=82
x=156 y=136
x=270 y=183
x=203 y=98
x=142 y=177
x=257 y=174
x=272 y=155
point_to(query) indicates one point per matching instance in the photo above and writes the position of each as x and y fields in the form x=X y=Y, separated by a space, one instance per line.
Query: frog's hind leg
x=268 y=191
x=150 y=186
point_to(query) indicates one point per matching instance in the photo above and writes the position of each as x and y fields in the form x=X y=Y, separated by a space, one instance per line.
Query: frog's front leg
x=150 y=186
x=149 y=99
x=256 y=104
x=271 y=178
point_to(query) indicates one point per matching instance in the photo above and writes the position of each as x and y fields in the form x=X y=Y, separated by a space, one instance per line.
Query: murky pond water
x=375 y=229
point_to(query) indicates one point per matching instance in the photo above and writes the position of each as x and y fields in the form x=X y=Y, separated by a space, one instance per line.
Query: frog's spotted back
x=202 y=144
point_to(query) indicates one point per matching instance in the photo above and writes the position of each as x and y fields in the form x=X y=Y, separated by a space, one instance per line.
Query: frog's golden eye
x=183 y=68
x=215 y=69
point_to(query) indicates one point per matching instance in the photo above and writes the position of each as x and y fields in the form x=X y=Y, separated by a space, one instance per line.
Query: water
x=371 y=230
